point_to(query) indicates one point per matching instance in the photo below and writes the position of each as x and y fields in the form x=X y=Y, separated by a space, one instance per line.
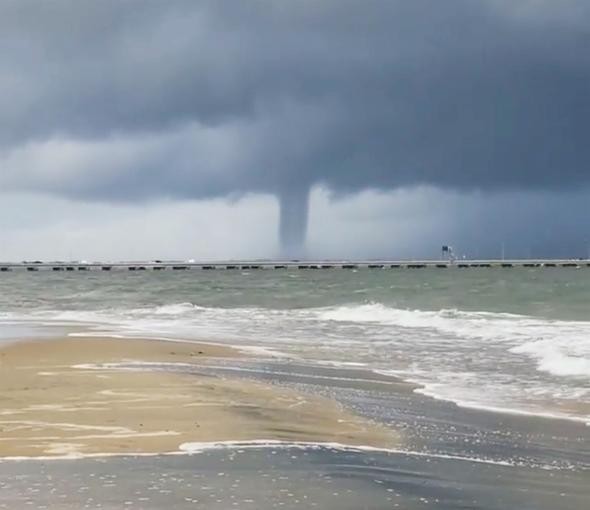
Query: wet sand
x=89 y=396
x=450 y=458
x=294 y=479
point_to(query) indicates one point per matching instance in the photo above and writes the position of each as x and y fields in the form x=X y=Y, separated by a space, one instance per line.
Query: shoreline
x=85 y=396
x=229 y=350
x=196 y=448
x=525 y=413
x=441 y=445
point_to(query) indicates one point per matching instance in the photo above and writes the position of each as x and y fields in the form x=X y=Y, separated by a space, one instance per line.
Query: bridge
x=244 y=265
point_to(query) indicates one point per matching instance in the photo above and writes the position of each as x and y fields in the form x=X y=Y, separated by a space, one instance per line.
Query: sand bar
x=69 y=396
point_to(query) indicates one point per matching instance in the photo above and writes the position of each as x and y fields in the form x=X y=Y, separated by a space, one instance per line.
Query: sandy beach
x=87 y=396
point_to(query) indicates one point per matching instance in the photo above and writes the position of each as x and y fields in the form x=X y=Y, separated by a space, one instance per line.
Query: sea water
x=505 y=339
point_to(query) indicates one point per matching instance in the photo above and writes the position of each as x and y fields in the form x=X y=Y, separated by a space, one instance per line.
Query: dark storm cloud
x=378 y=93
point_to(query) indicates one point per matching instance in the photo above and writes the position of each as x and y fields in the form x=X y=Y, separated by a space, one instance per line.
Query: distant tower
x=447 y=253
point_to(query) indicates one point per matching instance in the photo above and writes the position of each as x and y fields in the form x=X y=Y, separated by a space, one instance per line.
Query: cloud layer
x=216 y=96
x=138 y=100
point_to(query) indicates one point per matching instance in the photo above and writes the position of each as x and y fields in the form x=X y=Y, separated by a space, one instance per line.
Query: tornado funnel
x=293 y=223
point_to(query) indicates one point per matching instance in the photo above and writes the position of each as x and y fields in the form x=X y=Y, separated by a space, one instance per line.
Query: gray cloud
x=133 y=100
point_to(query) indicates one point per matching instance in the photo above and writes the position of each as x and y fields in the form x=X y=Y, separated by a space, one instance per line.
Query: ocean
x=513 y=340
x=499 y=358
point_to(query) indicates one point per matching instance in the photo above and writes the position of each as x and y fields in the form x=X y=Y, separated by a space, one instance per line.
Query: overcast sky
x=373 y=128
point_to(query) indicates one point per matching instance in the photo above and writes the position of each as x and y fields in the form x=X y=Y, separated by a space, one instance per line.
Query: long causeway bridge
x=243 y=265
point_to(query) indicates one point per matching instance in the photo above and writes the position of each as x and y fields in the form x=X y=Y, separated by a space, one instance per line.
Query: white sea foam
x=558 y=356
x=483 y=360
x=173 y=309
x=475 y=325
x=561 y=347
x=195 y=448
x=133 y=365
x=434 y=392
x=69 y=452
